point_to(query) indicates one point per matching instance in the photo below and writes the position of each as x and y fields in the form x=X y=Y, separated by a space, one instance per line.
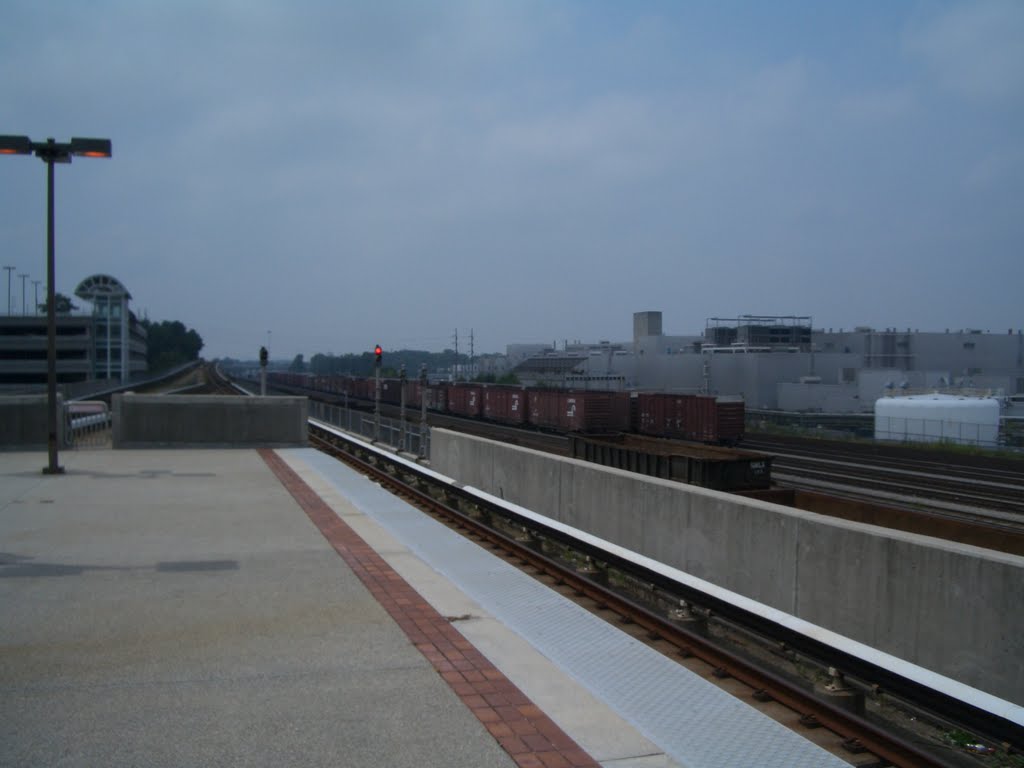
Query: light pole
x=51 y=152
x=35 y=284
x=23 y=307
x=9 y=270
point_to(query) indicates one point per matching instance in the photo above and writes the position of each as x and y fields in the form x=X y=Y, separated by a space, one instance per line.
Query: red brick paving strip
x=527 y=734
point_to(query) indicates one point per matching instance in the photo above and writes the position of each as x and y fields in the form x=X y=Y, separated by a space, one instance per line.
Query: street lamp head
x=51 y=151
x=15 y=145
x=90 y=147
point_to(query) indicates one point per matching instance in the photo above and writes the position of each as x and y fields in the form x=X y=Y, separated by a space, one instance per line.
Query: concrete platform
x=178 y=608
x=191 y=608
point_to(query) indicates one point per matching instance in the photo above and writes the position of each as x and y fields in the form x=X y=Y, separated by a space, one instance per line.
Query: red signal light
x=377 y=350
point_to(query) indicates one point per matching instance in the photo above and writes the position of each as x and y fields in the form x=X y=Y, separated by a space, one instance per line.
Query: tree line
x=362 y=364
x=169 y=343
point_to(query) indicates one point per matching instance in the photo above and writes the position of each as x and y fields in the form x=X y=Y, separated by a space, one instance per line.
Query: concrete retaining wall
x=142 y=421
x=955 y=609
x=23 y=425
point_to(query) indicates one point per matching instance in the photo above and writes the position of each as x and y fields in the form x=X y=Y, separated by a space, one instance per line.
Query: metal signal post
x=423 y=410
x=264 y=357
x=378 y=354
x=401 y=384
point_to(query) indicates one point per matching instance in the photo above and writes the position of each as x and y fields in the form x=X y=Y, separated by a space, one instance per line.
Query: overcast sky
x=340 y=174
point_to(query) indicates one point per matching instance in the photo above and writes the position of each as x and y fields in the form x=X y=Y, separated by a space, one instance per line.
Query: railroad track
x=744 y=653
x=948 y=486
x=212 y=382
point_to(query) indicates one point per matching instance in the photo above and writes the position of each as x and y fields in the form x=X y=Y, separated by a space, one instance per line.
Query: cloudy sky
x=329 y=175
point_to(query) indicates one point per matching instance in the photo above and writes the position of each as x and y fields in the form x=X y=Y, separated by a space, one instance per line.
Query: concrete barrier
x=195 y=421
x=23 y=424
x=948 y=607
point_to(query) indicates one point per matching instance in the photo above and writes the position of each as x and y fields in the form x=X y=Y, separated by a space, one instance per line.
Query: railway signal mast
x=378 y=355
x=423 y=410
x=264 y=355
x=401 y=389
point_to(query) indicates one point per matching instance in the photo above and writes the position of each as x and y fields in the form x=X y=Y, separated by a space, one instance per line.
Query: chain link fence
x=911 y=430
x=87 y=424
x=405 y=437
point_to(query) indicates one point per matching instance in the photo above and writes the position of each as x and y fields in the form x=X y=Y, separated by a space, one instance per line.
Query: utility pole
x=471 y=372
x=9 y=270
x=35 y=284
x=23 y=307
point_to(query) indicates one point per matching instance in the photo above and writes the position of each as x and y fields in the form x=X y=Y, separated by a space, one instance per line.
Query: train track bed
x=982 y=465
x=988 y=491
x=784 y=674
x=966 y=500
x=207 y=380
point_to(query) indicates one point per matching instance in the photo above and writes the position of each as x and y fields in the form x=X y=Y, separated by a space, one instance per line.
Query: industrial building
x=784 y=363
x=107 y=342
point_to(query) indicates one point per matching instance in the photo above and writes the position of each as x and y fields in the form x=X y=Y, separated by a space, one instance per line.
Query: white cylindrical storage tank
x=938 y=418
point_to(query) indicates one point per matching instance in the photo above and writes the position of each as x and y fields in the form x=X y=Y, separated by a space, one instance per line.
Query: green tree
x=63 y=304
x=169 y=344
x=298 y=364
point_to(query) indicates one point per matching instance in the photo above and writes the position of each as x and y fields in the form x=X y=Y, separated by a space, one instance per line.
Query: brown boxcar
x=724 y=469
x=343 y=385
x=363 y=389
x=465 y=400
x=333 y=384
x=506 y=405
x=732 y=415
x=689 y=417
x=578 y=411
x=436 y=396
x=391 y=391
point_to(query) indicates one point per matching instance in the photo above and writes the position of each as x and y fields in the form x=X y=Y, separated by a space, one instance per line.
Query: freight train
x=700 y=418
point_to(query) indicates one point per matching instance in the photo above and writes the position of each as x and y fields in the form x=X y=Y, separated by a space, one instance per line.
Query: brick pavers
x=529 y=736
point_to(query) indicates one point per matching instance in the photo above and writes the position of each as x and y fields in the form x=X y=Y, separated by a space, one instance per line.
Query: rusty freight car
x=465 y=400
x=505 y=405
x=703 y=418
x=578 y=411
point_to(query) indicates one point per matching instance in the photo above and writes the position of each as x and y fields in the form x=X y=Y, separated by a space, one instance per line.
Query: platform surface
x=182 y=607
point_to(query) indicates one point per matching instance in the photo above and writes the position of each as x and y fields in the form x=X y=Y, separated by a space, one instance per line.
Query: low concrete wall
x=143 y=421
x=955 y=609
x=23 y=425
